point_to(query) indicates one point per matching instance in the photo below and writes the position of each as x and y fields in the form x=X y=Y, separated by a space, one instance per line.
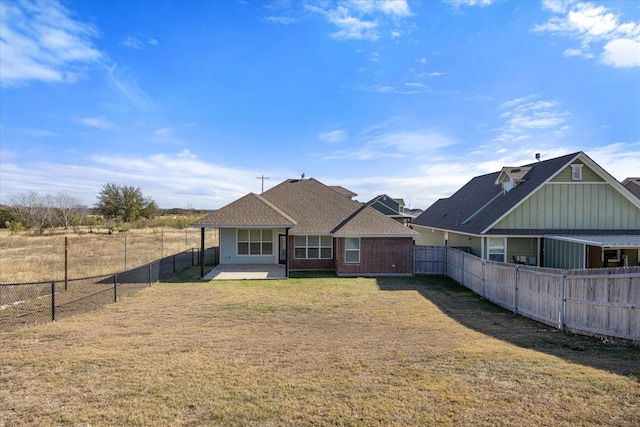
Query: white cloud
x=351 y=27
x=128 y=86
x=282 y=20
x=577 y=52
x=622 y=53
x=595 y=27
x=96 y=122
x=162 y=132
x=334 y=136
x=172 y=180
x=383 y=141
x=39 y=133
x=364 y=19
x=133 y=42
x=480 y=3
x=40 y=41
x=525 y=117
x=137 y=43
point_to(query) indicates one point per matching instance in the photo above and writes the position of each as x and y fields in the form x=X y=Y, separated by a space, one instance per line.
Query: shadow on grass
x=471 y=311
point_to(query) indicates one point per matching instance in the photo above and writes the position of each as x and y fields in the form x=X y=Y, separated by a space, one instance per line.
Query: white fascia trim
x=535 y=190
x=241 y=226
x=364 y=236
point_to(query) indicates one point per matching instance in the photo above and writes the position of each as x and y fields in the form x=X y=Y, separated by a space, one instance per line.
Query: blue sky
x=191 y=101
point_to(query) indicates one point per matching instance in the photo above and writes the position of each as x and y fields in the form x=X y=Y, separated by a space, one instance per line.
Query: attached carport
x=591 y=251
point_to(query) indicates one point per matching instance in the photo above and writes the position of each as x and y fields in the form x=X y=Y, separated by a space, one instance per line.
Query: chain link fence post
x=53 y=301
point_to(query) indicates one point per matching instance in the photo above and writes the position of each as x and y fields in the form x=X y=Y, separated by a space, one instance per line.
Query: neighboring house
x=565 y=212
x=348 y=193
x=307 y=225
x=633 y=185
x=393 y=208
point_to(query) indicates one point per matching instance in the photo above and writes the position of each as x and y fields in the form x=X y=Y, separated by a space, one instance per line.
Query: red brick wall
x=378 y=255
x=310 y=264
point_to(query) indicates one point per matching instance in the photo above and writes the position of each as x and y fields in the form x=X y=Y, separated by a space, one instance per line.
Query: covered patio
x=246 y=272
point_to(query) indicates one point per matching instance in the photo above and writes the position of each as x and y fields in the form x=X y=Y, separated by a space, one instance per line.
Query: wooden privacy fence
x=595 y=302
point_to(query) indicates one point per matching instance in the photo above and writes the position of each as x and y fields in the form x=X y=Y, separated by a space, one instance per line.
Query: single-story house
x=306 y=225
x=566 y=212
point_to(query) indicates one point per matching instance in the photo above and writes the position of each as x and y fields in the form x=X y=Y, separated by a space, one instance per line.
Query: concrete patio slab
x=246 y=272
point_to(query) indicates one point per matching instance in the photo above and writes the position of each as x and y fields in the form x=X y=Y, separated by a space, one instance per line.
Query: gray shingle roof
x=251 y=210
x=633 y=185
x=308 y=207
x=368 y=222
x=480 y=202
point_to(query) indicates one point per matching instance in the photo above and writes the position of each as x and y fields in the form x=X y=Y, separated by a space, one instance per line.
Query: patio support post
x=286 y=246
x=202 y=252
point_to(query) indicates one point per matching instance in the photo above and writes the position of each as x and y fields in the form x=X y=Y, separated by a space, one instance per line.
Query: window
x=313 y=247
x=495 y=249
x=255 y=241
x=612 y=255
x=576 y=172
x=352 y=250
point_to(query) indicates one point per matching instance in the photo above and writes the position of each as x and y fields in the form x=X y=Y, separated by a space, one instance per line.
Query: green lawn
x=311 y=351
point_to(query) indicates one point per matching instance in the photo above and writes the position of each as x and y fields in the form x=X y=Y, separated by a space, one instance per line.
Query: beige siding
x=521 y=247
x=428 y=237
x=465 y=241
x=574 y=206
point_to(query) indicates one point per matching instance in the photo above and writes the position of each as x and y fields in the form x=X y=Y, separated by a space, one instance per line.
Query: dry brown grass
x=312 y=351
x=28 y=258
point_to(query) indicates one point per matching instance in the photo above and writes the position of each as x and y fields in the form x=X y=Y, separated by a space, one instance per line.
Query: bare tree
x=39 y=212
x=31 y=209
x=69 y=210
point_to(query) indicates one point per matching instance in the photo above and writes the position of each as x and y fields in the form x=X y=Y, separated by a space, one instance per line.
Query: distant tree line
x=31 y=210
x=118 y=208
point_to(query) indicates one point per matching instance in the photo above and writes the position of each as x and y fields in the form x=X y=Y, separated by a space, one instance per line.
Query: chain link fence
x=23 y=304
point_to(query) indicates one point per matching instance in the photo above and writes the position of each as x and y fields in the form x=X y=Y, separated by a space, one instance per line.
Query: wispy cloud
x=172 y=180
x=41 y=41
x=282 y=20
x=364 y=20
x=334 y=136
x=127 y=85
x=133 y=42
x=39 y=133
x=524 y=117
x=595 y=28
x=481 y=3
x=385 y=141
x=96 y=122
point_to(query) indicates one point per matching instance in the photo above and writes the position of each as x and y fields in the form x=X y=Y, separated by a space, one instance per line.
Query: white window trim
x=504 y=248
x=576 y=172
x=352 y=250
x=261 y=241
x=306 y=247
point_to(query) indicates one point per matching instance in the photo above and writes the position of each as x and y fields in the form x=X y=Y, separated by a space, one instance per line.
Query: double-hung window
x=496 y=249
x=352 y=250
x=255 y=241
x=313 y=247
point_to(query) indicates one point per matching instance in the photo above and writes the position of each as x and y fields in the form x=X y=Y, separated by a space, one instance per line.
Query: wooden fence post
x=564 y=299
x=515 y=291
x=484 y=281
